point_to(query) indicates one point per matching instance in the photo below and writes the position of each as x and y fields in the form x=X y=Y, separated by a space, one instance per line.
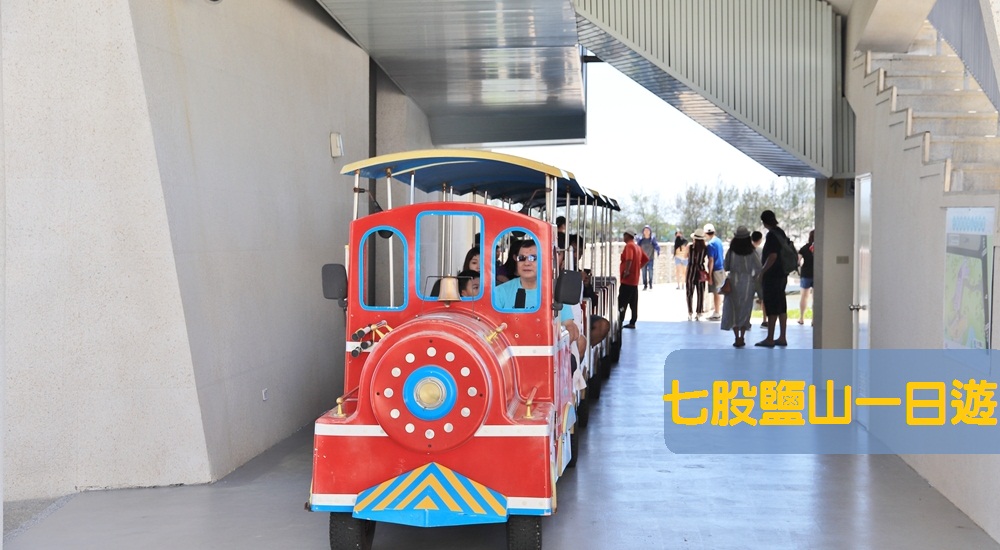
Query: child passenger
x=468 y=283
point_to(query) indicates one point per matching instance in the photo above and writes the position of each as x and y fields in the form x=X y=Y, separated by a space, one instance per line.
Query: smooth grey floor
x=627 y=491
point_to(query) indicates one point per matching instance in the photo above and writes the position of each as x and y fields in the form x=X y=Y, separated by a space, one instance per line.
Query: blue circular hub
x=430 y=392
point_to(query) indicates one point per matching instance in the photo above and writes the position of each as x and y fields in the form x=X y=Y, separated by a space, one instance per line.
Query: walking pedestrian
x=744 y=268
x=647 y=242
x=716 y=271
x=680 y=258
x=697 y=276
x=806 y=274
x=757 y=238
x=632 y=260
x=773 y=281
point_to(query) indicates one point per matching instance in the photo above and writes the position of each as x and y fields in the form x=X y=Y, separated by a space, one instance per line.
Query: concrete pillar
x=834 y=268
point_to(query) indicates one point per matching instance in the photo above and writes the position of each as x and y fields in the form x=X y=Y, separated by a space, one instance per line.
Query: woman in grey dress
x=744 y=270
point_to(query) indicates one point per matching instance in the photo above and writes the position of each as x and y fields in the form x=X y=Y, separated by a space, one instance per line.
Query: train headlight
x=430 y=392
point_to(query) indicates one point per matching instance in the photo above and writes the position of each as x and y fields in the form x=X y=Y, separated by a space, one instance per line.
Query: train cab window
x=448 y=245
x=382 y=269
x=523 y=266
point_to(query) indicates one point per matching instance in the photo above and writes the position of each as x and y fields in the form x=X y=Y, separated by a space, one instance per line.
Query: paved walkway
x=627 y=491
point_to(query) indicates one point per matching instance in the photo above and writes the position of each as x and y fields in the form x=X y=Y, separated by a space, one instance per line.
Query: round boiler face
x=430 y=394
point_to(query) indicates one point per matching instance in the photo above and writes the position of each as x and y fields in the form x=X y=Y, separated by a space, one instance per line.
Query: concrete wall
x=908 y=257
x=100 y=390
x=3 y=270
x=242 y=99
x=169 y=202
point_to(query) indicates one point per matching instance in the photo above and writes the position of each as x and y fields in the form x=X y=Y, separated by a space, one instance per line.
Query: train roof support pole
x=357 y=186
x=392 y=271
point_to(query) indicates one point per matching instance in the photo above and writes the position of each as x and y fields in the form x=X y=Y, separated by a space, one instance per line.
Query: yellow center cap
x=429 y=393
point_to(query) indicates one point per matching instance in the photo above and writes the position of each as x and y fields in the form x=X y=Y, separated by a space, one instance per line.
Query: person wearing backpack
x=774 y=279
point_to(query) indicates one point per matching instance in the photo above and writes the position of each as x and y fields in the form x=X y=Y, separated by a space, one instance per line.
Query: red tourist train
x=462 y=390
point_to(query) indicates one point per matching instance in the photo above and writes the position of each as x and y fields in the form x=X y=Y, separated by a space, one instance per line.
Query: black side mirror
x=569 y=287
x=335 y=283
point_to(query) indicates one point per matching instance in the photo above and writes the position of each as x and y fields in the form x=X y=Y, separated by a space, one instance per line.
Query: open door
x=862 y=260
x=862 y=287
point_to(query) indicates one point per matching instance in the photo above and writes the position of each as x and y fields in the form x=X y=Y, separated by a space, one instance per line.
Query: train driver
x=523 y=291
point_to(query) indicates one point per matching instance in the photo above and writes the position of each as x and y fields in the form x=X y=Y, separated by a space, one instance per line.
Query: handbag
x=726 y=287
x=703 y=276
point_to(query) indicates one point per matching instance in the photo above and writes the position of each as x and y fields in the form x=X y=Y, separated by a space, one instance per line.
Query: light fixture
x=336 y=145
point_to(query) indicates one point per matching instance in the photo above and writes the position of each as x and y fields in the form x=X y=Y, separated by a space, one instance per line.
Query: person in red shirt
x=632 y=260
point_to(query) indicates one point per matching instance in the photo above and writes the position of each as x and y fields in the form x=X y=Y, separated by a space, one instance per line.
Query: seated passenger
x=523 y=291
x=471 y=260
x=468 y=283
x=599 y=326
x=510 y=266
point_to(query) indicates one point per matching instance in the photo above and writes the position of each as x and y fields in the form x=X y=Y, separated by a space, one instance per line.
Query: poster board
x=968 y=277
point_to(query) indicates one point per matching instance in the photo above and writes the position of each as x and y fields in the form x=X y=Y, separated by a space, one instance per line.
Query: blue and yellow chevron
x=431 y=496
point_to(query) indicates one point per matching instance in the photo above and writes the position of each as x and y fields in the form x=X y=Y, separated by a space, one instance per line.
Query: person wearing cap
x=744 y=268
x=632 y=260
x=680 y=258
x=715 y=269
x=697 y=253
x=773 y=282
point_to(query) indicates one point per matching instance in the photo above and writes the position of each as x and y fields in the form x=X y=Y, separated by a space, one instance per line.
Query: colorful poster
x=968 y=277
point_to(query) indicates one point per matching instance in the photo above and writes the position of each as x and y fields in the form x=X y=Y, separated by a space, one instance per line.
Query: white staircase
x=940 y=109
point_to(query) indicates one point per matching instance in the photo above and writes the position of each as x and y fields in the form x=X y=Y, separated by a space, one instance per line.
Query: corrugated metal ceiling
x=483 y=71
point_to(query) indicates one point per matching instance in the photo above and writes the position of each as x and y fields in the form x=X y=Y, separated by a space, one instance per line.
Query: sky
x=636 y=142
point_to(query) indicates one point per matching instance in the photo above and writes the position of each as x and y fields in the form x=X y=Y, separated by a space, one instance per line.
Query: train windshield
x=449 y=245
x=517 y=279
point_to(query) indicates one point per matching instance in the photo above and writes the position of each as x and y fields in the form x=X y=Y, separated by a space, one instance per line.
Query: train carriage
x=457 y=408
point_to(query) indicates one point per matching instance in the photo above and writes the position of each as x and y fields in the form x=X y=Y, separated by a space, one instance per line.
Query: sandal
x=765 y=344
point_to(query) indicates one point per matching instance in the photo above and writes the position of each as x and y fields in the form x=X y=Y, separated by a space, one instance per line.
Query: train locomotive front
x=454 y=411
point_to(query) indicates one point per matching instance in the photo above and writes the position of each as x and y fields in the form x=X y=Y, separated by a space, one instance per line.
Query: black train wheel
x=350 y=533
x=524 y=533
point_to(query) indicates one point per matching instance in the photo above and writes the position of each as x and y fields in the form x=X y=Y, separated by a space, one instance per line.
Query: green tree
x=725 y=206
x=690 y=208
x=642 y=209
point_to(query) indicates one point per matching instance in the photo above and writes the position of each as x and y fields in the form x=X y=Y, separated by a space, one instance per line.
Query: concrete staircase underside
x=942 y=109
x=692 y=103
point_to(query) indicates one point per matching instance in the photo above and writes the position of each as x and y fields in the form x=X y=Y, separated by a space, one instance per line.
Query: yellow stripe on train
x=431 y=496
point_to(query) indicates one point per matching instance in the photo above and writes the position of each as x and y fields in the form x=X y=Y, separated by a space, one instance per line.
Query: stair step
x=962 y=101
x=954 y=124
x=932 y=81
x=904 y=64
x=975 y=177
x=965 y=149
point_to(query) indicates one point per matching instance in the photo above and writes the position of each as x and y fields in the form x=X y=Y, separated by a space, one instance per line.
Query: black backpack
x=788 y=255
